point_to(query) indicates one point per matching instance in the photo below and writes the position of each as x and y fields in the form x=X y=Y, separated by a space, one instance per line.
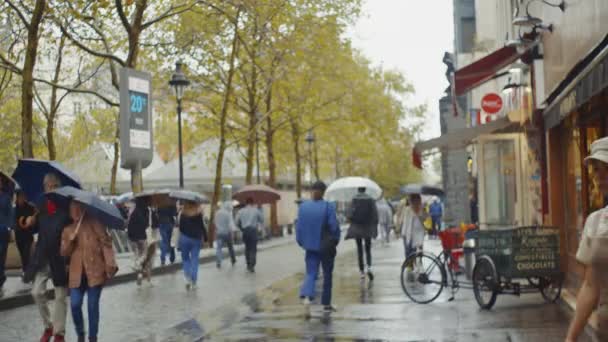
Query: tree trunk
x=27 y=83
x=249 y=157
x=295 y=136
x=217 y=186
x=316 y=161
x=54 y=106
x=272 y=181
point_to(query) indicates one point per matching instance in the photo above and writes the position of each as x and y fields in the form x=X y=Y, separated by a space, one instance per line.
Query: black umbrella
x=422 y=190
x=30 y=173
x=105 y=212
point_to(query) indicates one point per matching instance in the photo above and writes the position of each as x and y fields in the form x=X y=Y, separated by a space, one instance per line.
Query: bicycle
x=424 y=275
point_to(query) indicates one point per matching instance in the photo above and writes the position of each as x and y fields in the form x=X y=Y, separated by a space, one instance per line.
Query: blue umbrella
x=105 y=212
x=30 y=173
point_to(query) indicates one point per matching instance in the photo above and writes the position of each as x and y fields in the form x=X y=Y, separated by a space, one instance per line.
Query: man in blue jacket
x=314 y=216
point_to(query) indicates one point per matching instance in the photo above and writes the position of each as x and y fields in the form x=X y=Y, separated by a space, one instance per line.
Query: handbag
x=175 y=232
x=328 y=242
x=152 y=235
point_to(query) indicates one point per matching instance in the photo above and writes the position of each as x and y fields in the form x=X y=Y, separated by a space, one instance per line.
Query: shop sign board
x=491 y=103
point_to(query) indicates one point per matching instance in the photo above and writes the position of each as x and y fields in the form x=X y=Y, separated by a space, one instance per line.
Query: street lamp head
x=310 y=136
x=179 y=82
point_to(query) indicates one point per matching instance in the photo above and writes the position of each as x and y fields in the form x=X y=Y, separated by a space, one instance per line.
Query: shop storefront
x=575 y=117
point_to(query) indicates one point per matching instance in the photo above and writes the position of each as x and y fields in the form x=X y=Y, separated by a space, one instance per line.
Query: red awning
x=484 y=69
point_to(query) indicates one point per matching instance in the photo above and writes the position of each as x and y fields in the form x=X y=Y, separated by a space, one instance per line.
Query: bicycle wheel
x=422 y=278
x=485 y=282
x=551 y=287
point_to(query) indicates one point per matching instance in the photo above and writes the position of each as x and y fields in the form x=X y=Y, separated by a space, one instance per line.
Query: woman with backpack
x=192 y=235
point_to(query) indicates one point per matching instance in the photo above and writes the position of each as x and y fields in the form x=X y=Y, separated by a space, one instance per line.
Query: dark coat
x=364 y=231
x=50 y=227
x=138 y=222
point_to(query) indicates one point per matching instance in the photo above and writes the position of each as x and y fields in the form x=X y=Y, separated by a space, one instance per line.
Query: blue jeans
x=313 y=259
x=220 y=241
x=191 y=249
x=166 y=229
x=76 y=299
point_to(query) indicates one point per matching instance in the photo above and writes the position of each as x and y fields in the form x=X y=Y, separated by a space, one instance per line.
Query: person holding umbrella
x=47 y=262
x=191 y=238
x=139 y=220
x=248 y=219
x=6 y=221
x=363 y=217
x=88 y=245
x=166 y=221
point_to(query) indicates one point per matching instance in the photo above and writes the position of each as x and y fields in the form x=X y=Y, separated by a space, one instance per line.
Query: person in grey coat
x=363 y=217
x=224 y=224
x=385 y=219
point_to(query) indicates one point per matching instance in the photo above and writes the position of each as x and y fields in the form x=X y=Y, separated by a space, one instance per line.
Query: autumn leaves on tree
x=264 y=73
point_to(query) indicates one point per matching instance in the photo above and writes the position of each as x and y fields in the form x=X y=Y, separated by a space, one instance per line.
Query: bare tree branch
x=123 y=17
x=88 y=49
x=171 y=11
x=19 y=13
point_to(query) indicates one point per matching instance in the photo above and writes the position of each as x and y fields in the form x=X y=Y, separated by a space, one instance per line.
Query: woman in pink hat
x=593 y=253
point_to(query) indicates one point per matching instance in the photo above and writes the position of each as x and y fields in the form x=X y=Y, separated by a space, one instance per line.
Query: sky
x=410 y=36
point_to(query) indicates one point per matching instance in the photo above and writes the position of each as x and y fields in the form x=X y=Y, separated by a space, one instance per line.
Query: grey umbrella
x=188 y=195
x=105 y=212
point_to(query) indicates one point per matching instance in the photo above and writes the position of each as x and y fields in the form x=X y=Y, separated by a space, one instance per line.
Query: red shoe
x=59 y=338
x=46 y=336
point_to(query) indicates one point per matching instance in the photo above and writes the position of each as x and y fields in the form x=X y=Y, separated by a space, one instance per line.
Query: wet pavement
x=232 y=305
x=380 y=311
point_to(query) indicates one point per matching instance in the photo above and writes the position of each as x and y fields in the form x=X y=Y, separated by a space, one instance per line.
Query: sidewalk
x=17 y=294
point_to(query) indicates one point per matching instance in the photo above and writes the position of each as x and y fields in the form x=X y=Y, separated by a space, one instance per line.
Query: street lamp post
x=179 y=82
x=310 y=139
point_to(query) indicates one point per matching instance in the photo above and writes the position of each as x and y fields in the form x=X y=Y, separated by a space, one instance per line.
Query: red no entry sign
x=491 y=103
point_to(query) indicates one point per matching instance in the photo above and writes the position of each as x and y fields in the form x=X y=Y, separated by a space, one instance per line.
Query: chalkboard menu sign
x=521 y=252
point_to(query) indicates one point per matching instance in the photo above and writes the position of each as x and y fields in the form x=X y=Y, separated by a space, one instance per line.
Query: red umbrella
x=260 y=193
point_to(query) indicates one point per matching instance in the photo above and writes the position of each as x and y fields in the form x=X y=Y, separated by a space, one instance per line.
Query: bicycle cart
x=515 y=261
x=505 y=259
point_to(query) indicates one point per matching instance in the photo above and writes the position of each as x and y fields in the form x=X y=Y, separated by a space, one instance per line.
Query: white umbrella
x=344 y=189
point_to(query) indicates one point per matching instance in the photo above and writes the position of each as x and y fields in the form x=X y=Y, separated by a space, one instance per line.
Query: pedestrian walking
x=247 y=220
x=6 y=222
x=436 y=212
x=385 y=220
x=47 y=263
x=413 y=227
x=224 y=225
x=318 y=233
x=138 y=222
x=166 y=223
x=88 y=245
x=24 y=235
x=363 y=217
x=593 y=254
x=192 y=235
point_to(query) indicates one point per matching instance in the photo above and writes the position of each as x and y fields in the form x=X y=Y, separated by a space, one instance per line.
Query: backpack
x=362 y=211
